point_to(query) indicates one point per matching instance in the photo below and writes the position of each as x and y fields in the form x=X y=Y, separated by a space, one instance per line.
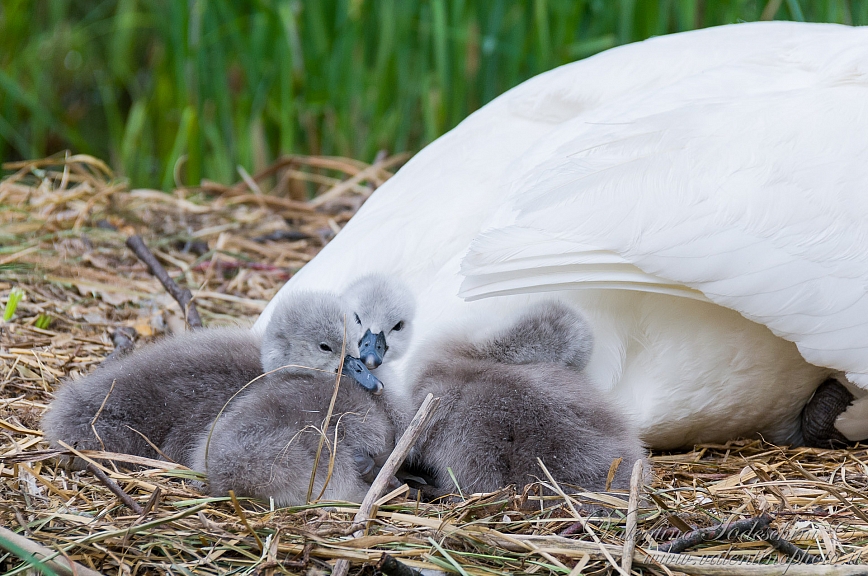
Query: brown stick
x=116 y=490
x=59 y=564
x=789 y=549
x=389 y=566
x=181 y=295
x=725 y=531
x=381 y=482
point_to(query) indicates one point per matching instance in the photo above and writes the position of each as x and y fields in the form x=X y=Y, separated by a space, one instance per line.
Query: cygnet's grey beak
x=372 y=348
x=355 y=369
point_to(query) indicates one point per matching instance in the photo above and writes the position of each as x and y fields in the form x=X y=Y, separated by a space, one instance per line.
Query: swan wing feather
x=758 y=203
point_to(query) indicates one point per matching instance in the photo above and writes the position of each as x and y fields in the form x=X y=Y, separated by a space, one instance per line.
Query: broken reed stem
x=153 y=501
x=402 y=448
x=632 y=516
x=725 y=531
x=240 y=512
x=327 y=422
x=181 y=295
x=40 y=553
x=560 y=491
x=115 y=489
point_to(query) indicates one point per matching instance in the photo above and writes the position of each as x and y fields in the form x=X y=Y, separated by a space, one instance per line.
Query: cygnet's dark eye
x=398 y=327
x=325 y=347
x=358 y=320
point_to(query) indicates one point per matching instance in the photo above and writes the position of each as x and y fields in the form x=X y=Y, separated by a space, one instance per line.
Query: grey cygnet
x=165 y=392
x=519 y=395
x=265 y=443
x=383 y=308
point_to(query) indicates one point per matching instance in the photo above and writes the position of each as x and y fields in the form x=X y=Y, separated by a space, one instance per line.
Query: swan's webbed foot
x=829 y=401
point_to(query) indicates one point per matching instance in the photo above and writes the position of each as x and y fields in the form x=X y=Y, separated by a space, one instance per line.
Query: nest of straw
x=63 y=222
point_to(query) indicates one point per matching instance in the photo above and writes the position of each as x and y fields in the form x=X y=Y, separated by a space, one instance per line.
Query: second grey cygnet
x=264 y=444
x=519 y=395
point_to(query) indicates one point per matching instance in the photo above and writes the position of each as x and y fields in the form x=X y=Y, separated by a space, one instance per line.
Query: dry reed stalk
x=636 y=478
x=43 y=554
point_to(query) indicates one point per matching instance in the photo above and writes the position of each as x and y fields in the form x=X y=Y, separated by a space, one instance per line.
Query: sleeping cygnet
x=153 y=402
x=518 y=395
x=264 y=444
x=158 y=396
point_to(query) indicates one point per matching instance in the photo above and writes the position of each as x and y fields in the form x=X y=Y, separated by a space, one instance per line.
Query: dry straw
x=63 y=222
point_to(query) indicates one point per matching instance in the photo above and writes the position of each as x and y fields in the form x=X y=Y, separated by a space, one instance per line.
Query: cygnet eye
x=325 y=347
x=358 y=320
x=398 y=327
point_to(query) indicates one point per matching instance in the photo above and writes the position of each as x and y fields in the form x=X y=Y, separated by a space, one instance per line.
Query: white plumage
x=702 y=197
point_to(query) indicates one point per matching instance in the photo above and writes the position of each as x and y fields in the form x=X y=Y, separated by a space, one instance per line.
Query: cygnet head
x=307 y=331
x=383 y=309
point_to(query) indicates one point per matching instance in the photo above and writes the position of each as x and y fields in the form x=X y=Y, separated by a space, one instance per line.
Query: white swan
x=702 y=197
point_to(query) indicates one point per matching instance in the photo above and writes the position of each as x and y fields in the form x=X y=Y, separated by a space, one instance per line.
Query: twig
x=116 y=490
x=381 y=482
x=41 y=553
x=664 y=533
x=181 y=295
x=724 y=531
x=573 y=528
x=632 y=516
x=389 y=566
x=789 y=549
x=122 y=338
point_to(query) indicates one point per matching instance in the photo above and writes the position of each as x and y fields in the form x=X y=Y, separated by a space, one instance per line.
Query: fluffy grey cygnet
x=383 y=308
x=165 y=392
x=518 y=395
x=265 y=443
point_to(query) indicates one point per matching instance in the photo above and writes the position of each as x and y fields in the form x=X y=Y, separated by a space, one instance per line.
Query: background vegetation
x=222 y=83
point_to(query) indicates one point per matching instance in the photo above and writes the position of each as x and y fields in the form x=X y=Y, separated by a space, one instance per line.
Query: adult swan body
x=701 y=197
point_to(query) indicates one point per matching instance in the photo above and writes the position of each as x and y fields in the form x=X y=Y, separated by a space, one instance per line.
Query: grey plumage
x=516 y=396
x=167 y=392
x=265 y=443
x=547 y=333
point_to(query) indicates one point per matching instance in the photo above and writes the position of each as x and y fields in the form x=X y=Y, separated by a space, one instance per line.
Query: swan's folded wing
x=759 y=203
x=516 y=260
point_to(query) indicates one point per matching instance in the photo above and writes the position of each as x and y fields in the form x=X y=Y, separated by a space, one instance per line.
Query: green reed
x=168 y=90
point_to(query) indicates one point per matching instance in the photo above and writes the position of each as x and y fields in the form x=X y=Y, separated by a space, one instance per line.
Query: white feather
x=659 y=187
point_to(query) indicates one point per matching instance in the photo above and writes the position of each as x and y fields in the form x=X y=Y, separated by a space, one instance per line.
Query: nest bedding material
x=63 y=222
